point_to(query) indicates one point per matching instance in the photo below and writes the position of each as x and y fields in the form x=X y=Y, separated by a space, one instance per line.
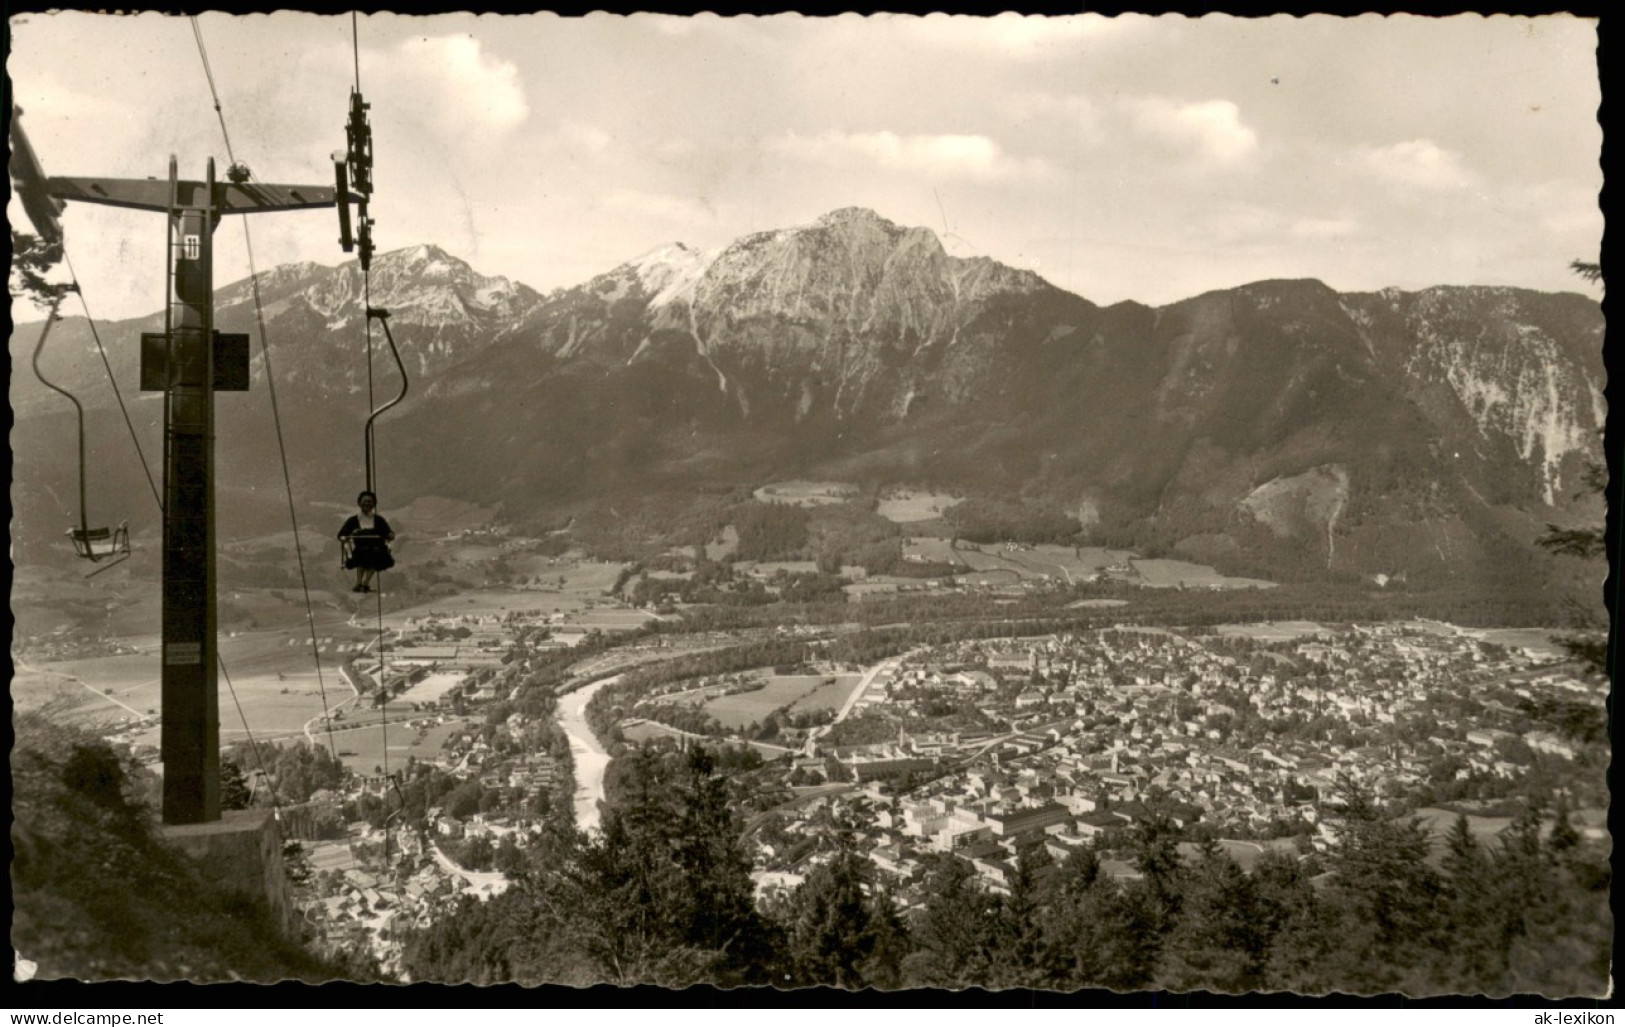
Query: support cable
x=287 y=486
x=276 y=417
x=203 y=53
x=366 y=294
x=253 y=744
x=360 y=154
x=383 y=678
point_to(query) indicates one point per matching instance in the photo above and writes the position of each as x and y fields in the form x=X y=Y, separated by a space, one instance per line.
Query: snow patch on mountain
x=670 y=272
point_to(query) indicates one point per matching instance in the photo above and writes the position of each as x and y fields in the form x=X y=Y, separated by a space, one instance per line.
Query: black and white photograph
x=1067 y=505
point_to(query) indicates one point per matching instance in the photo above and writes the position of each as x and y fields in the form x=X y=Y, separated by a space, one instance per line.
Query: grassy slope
x=98 y=897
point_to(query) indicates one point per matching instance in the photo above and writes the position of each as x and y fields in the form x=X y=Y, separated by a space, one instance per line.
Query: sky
x=1146 y=158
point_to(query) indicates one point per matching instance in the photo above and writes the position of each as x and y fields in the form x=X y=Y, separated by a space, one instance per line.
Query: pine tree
x=831 y=934
x=234 y=793
x=955 y=934
x=1155 y=841
x=720 y=912
x=1220 y=942
x=1017 y=932
x=1301 y=927
x=1389 y=898
x=1472 y=960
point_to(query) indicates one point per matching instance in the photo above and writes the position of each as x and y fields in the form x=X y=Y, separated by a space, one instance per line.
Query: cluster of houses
x=1086 y=729
x=372 y=885
x=361 y=899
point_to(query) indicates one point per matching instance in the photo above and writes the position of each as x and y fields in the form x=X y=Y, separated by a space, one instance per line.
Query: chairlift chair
x=93 y=544
x=97 y=544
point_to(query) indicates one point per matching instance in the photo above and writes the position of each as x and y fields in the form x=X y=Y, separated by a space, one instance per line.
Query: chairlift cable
x=287 y=486
x=253 y=744
x=276 y=418
x=203 y=53
x=383 y=685
x=371 y=480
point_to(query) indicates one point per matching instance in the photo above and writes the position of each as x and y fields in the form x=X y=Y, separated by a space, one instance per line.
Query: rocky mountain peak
x=426 y=260
x=845 y=215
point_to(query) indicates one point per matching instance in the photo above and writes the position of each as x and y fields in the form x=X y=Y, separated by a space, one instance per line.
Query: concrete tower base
x=242 y=853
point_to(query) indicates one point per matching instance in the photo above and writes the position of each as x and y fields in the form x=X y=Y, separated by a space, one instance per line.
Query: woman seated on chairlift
x=369 y=536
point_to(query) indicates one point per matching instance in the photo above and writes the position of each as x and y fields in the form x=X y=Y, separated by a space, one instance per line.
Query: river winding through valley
x=590 y=757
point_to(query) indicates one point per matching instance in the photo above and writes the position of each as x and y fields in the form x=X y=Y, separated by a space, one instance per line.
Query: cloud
x=1324 y=228
x=457 y=86
x=580 y=136
x=966 y=156
x=659 y=205
x=1016 y=36
x=1212 y=129
x=1075 y=113
x=670 y=25
x=1418 y=163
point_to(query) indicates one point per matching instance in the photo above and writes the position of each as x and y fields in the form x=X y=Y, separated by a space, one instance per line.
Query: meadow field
x=934 y=550
x=1271 y=631
x=1058 y=563
x=361 y=737
x=768 y=568
x=737 y=711
x=829 y=695
x=806 y=493
x=1179 y=573
x=1529 y=638
x=905 y=506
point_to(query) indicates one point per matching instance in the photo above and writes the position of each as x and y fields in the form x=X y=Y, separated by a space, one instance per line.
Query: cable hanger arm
x=78 y=409
x=383 y=317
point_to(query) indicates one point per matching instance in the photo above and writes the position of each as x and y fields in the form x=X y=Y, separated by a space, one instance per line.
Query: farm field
x=827 y=696
x=906 y=505
x=434 y=687
x=362 y=748
x=978 y=560
x=1533 y=638
x=647 y=729
x=806 y=493
x=737 y=711
x=1529 y=638
x=1176 y=573
x=270 y=713
x=1062 y=563
x=610 y=619
x=1273 y=631
x=935 y=550
x=585 y=586
x=769 y=568
x=1054 y=562
x=271 y=674
x=1007 y=577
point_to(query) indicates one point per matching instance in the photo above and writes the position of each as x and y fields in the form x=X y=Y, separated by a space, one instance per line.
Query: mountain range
x=1280 y=428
